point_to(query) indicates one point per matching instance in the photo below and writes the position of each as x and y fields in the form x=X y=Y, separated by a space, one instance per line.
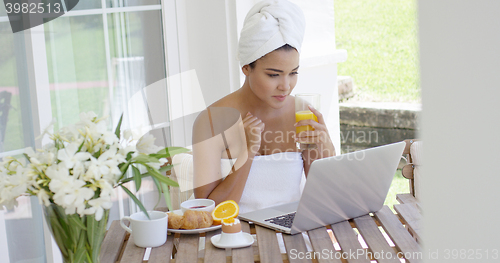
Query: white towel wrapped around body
x=269 y=25
x=273 y=180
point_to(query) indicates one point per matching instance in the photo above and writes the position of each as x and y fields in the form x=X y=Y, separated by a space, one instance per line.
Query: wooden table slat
x=132 y=253
x=110 y=248
x=297 y=243
x=244 y=254
x=162 y=253
x=269 y=250
x=348 y=241
x=406 y=198
x=213 y=254
x=187 y=251
x=399 y=235
x=376 y=242
x=321 y=241
x=410 y=214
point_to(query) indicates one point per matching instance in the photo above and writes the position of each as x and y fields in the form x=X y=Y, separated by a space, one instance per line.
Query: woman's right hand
x=253 y=132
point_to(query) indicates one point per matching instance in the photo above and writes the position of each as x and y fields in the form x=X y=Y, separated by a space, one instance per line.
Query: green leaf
x=137 y=178
x=136 y=201
x=124 y=167
x=80 y=147
x=81 y=250
x=158 y=187
x=162 y=178
x=118 y=127
x=166 y=195
x=169 y=152
x=142 y=158
x=27 y=157
x=99 y=236
x=165 y=168
x=76 y=220
x=91 y=228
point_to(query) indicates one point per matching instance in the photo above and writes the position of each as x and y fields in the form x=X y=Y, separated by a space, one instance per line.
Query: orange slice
x=226 y=209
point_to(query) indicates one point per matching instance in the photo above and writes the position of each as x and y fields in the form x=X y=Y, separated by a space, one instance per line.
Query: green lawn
x=381 y=43
x=399 y=185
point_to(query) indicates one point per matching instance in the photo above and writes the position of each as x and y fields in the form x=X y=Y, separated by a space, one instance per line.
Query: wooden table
x=381 y=236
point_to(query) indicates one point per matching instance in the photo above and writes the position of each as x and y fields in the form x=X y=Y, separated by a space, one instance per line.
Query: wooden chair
x=177 y=196
x=409 y=209
x=183 y=174
x=411 y=170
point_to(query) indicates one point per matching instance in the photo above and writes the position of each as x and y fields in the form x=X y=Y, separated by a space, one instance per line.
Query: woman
x=256 y=123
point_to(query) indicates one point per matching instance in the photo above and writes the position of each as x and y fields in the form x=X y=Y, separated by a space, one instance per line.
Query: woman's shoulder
x=218 y=116
x=231 y=100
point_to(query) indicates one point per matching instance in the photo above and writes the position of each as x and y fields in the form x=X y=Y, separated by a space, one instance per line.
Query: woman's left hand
x=319 y=136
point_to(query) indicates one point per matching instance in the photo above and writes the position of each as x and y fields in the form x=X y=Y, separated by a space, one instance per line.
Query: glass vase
x=79 y=238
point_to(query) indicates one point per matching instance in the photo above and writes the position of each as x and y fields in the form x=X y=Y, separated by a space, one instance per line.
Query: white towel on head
x=269 y=25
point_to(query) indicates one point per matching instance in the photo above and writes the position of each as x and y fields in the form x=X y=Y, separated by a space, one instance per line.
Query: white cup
x=147 y=232
x=198 y=204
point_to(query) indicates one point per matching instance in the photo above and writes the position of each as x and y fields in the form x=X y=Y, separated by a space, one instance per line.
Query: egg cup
x=232 y=236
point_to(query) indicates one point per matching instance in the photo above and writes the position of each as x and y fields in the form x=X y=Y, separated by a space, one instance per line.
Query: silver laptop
x=337 y=188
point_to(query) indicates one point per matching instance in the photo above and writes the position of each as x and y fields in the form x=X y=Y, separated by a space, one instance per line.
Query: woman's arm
x=319 y=145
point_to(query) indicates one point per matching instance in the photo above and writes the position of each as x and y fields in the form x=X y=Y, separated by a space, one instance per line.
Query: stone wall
x=369 y=124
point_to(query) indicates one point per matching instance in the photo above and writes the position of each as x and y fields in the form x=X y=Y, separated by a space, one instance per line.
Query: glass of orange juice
x=302 y=112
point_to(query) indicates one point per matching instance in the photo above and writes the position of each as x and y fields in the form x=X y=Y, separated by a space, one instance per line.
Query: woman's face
x=274 y=76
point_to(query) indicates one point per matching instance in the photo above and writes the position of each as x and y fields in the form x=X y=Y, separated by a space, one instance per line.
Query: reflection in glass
x=136 y=49
x=125 y=3
x=2 y=10
x=77 y=68
x=21 y=227
x=12 y=136
x=85 y=4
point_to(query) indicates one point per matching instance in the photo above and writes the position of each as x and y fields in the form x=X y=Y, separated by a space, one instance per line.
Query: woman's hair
x=285 y=47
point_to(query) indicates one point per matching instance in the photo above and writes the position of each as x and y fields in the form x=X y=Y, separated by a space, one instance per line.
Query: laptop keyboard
x=282 y=220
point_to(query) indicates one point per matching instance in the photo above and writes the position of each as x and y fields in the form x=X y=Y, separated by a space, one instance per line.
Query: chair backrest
x=181 y=173
x=412 y=170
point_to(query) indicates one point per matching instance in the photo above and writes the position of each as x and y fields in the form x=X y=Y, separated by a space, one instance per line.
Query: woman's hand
x=253 y=132
x=319 y=136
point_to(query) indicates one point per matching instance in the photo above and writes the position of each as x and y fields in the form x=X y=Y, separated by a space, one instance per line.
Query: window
x=96 y=57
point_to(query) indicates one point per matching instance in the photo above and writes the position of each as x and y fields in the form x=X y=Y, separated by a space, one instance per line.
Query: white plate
x=244 y=241
x=192 y=231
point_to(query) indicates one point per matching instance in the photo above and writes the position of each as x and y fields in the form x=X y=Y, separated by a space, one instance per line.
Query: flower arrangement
x=77 y=173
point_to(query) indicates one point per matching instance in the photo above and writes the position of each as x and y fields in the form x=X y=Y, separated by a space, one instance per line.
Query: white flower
x=109 y=137
x=146 y=144
x=98 y=206
x=43 y=197
x=69 y=156
x=106 y=187
x=87 y=118
x=128 y=135
x=60 y=181
x=48 y=130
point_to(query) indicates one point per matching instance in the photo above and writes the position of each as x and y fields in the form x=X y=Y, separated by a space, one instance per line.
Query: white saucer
x=243 y=240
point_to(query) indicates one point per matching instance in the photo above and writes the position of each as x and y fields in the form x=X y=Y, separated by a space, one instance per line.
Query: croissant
x=175 y=221
x=191 y=219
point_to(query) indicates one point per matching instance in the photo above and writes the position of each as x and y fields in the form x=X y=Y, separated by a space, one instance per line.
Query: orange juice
x=304 y=115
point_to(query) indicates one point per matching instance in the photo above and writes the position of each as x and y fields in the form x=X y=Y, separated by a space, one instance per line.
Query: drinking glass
x=302 y=112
